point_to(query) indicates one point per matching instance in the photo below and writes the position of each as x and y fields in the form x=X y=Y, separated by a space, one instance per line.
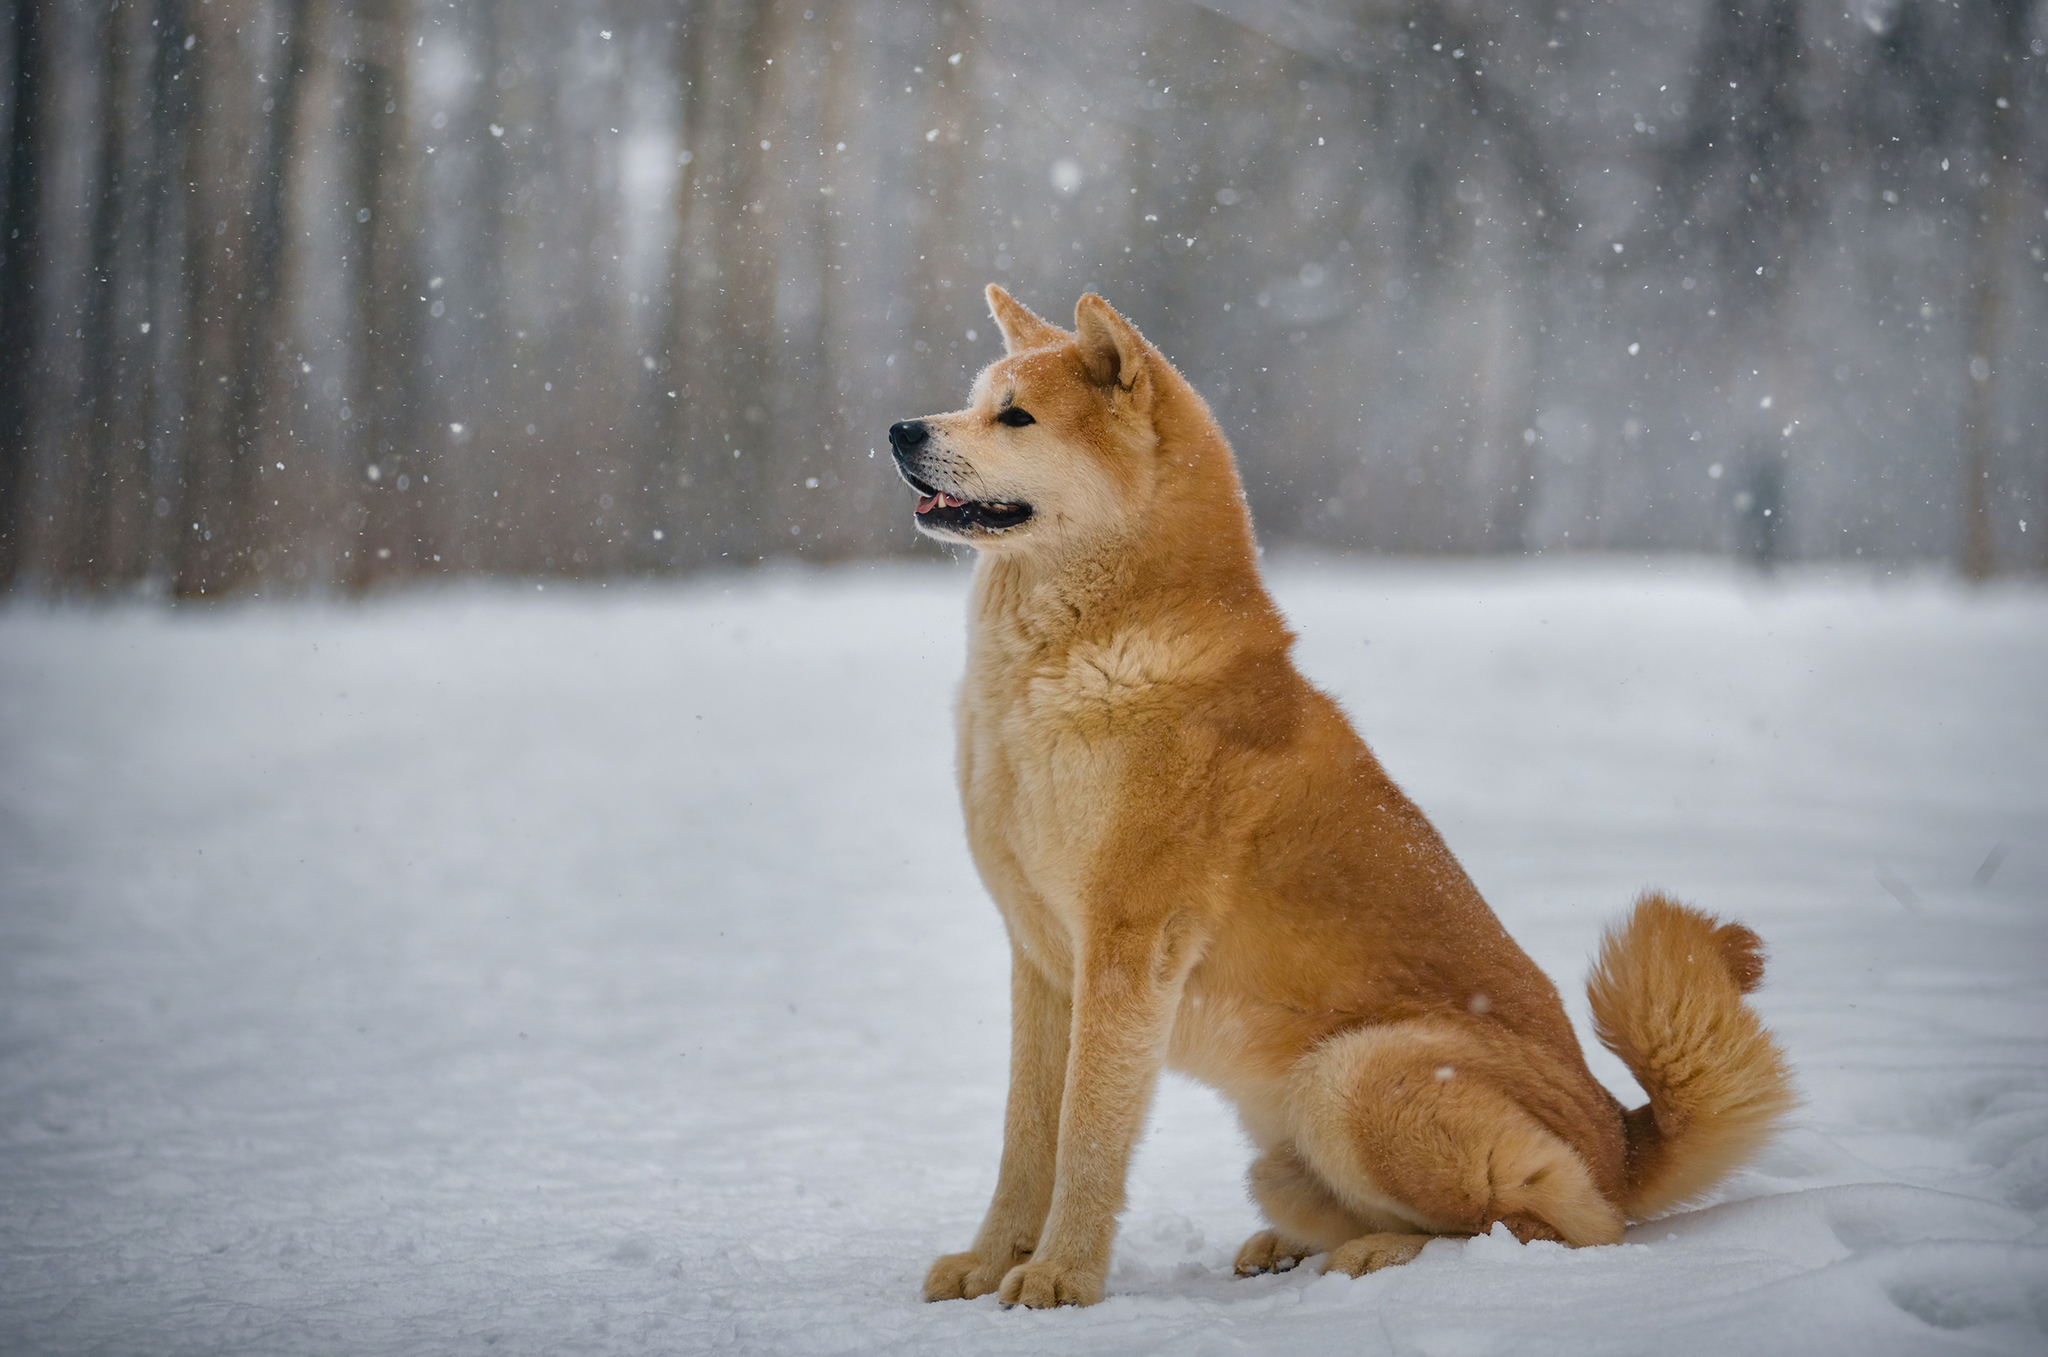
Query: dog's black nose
x=908 y=436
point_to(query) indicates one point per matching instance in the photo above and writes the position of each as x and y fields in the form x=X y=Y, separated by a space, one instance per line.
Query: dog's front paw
x=1044 y=1285
x=963 y=1276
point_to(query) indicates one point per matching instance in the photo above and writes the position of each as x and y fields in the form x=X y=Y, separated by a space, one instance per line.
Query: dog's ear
x=1021 y=330
x=1113 y=350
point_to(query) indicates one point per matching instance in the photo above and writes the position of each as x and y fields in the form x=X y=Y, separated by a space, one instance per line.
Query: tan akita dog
x=1201 y=865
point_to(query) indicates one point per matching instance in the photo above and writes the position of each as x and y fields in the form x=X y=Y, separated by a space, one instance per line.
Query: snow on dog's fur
x=1201 y=865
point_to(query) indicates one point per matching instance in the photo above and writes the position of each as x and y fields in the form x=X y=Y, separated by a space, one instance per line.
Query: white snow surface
x=586 y=969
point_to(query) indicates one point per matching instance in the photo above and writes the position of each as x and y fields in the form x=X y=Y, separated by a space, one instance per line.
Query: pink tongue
x=926 y=504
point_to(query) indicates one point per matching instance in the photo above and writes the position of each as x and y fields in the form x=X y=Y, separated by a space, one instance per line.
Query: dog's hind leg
x=1307 y=1216
x=1371 y=1252
x=1404 y=1121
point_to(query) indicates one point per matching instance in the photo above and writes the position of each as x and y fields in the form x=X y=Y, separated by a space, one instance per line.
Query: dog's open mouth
x=938 y=509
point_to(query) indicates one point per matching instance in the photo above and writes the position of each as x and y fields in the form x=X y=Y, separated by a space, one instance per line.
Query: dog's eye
x=1016 y=417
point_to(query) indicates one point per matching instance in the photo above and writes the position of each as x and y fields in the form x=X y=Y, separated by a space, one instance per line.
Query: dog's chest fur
x=1062 y=735
x=1069 y=742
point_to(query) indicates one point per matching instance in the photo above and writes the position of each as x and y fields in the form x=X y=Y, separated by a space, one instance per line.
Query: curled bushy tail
x=1667 y=998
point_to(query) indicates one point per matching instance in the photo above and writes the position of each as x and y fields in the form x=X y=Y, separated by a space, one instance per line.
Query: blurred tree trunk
x=261 y=304
x=119 y=436
x=1997 y=208
x=855 y=485
x=20 y=220
x=470 y=355
x=82 y=553
x=587 y=417
x=70 y=297
x=723 y=297
x=216 y=480
x=669 y=468
x=383 y=243
x=163 y=395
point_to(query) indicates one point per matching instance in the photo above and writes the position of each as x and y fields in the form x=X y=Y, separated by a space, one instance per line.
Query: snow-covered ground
x=601 y=970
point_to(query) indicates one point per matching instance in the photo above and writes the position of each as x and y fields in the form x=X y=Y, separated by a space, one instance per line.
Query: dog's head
x=1057 y=446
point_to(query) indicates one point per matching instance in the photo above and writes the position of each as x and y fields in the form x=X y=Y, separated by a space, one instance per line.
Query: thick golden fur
x=1716 y=1080
x=1201 y=865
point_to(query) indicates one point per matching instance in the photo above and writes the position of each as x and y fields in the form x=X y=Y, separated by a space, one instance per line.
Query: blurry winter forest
x=310 y=294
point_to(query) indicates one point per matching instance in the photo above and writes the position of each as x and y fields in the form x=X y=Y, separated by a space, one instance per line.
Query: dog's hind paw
x=1371 y=1252
x=963 y=1276
x=1267 y=1251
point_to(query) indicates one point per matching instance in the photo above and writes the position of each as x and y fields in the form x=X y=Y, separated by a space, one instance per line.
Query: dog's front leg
x=1040 y=1017
x=1128 y=982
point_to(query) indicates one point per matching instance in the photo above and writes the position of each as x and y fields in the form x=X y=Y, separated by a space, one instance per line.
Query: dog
x=1200 y=865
